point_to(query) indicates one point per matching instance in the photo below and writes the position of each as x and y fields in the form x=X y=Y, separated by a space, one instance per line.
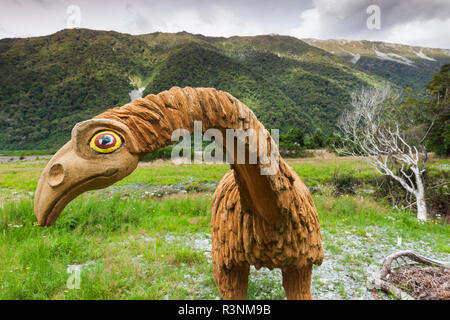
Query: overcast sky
x=415 y=22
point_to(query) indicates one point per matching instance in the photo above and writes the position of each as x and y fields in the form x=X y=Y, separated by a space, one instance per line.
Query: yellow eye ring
x=105 y=142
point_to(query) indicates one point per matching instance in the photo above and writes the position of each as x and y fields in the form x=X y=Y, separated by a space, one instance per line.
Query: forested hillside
x=49 y=83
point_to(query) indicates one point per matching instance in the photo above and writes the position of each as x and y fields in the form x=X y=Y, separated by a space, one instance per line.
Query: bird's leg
x=297 y=282
x=232 y=282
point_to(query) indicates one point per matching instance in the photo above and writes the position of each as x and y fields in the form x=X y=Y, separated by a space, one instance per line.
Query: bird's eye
x=105 y=142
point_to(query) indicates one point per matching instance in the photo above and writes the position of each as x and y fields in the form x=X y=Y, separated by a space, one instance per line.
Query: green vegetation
x=124 y=241
x=294 y=143
x=131 y=245
x=424 y=118
x=49 y=83
x=439 y=111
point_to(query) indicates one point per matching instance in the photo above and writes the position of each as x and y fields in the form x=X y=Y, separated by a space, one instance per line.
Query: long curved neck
x=153 y=119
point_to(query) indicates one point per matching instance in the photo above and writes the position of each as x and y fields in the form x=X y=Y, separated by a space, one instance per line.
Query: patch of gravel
x=199 y=241
x=351 y=261
x=144 y=190
x=8 y=159
x=346 y=272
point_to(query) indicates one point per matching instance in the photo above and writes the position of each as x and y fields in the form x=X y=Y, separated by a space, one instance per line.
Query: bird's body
x=266 y=220
x=241 y=237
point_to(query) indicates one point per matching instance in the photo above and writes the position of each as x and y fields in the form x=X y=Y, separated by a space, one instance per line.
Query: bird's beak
x=65 y=177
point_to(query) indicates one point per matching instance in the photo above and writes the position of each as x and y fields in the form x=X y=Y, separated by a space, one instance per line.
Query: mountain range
x=49 y=83
x=406 y=66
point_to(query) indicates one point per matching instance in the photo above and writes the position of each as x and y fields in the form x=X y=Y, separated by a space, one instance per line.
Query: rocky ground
x=345 y=273
x=8 y=159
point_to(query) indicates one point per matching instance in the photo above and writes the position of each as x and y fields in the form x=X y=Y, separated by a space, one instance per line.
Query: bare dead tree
x=369 y=131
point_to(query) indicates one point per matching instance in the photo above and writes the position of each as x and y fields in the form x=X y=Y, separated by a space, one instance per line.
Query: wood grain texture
x=261 y=220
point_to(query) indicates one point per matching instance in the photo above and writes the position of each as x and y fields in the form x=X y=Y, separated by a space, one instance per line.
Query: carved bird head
x=100 y=152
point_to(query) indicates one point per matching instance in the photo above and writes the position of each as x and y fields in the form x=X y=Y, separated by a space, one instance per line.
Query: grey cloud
x=348 y=17
x=142 y=22
x=344 y=19
x=405 y=21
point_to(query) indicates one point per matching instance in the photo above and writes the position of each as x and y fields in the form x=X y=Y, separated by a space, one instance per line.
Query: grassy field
x=26 y=152
x=147 y=237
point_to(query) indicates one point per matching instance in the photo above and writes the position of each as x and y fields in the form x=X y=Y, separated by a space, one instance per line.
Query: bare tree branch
x=368 y=131
x=381 y=279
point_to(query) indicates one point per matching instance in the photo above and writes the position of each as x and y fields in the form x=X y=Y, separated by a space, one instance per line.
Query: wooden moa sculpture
x=265 y=220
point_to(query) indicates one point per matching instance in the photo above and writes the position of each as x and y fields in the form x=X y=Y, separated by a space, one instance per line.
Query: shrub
x=163 y=153
x=344 y=183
